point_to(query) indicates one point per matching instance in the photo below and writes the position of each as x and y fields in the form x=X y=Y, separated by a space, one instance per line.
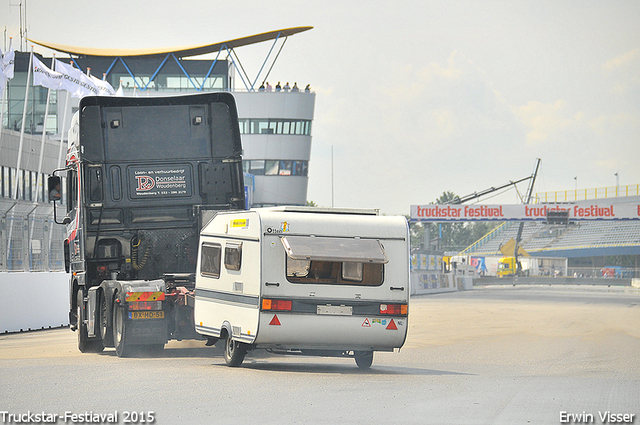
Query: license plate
x=146 y=315
x=335 y=310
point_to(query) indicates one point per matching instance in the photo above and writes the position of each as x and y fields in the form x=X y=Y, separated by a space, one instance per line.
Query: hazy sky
x=417 y=97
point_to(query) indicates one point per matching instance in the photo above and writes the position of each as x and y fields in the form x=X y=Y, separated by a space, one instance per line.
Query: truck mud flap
x=142 y=332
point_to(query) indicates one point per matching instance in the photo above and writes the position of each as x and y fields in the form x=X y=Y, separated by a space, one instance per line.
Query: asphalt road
x=495 y=355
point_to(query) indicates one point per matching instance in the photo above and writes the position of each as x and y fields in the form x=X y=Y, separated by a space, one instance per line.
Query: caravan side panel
x=228 y=277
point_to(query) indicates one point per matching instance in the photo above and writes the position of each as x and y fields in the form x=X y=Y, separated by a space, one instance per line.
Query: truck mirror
x=54 y=189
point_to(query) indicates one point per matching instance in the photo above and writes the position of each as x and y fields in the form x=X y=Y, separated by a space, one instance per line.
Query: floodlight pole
x=332 y=185
x=527 y=201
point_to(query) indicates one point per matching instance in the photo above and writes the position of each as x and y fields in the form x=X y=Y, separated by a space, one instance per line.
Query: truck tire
x=234 y=352
x=106 y=331
x=85 y=345
x=364 y=359
x=120 y=332
x=154 y=349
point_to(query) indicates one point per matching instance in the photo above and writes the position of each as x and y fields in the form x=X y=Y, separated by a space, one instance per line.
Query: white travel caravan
x=296 y=280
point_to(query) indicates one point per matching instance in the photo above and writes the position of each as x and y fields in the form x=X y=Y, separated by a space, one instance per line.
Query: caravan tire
x=364 y=359
x=234 y=352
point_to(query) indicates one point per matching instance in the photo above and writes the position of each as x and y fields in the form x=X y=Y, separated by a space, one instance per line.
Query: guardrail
x=586 y=194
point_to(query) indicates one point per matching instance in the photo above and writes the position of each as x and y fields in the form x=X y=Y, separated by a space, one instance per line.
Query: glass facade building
x=275 y=127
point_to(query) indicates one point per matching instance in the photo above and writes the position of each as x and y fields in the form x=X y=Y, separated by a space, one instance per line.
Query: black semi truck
x=142 y=176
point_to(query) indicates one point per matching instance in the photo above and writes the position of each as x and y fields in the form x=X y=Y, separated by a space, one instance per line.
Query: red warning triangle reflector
x=275 y=320
x=392 y=326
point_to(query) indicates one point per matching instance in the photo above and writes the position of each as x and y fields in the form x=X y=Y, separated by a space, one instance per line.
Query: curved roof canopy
x=180 y=52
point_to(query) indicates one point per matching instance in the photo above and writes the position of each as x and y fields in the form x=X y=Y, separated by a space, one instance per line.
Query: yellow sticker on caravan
x=240 y=223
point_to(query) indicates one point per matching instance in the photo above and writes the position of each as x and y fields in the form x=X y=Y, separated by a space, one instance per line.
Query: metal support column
x=3 y=243
x=26 y=245
x=46 y=251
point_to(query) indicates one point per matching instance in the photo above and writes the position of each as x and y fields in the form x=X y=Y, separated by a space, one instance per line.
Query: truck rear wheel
x=234 y=352
x=85 y=345
x=106 y=331
x=364 y=359
x=154 y=349
x=120 y=332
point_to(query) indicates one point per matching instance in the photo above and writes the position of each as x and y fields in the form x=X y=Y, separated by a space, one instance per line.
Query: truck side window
x=233 y=256
x=95 y=184
x=210 y=260
x=72 y=190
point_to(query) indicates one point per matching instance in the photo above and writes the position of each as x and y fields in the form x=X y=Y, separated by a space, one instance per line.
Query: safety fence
x=30 y=244
x=607 y=272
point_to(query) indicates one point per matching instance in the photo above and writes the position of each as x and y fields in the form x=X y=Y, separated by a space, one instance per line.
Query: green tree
x=449 y=235
x=417 y=233
x=447 y=198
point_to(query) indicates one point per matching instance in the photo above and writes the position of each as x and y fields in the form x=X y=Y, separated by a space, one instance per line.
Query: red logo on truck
x=145 y=183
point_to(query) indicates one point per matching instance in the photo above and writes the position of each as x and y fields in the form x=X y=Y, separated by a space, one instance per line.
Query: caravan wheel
x=364 y=359
x=234 y=352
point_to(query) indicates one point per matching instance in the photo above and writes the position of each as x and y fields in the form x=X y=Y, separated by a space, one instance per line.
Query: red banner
x=536 y=212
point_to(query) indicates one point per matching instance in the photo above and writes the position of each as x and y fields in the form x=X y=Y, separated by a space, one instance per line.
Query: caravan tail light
x=281 y=305
x=394 y=309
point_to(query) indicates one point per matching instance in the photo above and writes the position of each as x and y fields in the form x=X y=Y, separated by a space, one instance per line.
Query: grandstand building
x=597 y=248
x=275 y=127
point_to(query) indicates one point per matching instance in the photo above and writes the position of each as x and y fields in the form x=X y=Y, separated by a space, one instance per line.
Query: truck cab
x=141 y=176
x=506 y=267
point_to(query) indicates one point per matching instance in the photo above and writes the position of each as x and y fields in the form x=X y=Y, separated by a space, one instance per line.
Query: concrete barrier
x=424 y=282
x=31 y=301
x=543 y=280
x=464 y=283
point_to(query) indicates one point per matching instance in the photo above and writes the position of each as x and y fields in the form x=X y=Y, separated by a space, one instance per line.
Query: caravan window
x=352 y=271
x=334 y=272
x=233 y=256
x=342 y=261
x=210 y=260
x=334 y=249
